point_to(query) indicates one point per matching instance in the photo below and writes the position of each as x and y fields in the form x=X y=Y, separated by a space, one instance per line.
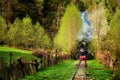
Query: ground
x=65 y=70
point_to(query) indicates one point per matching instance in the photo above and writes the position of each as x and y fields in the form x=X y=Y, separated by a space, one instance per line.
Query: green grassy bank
x=16 y=53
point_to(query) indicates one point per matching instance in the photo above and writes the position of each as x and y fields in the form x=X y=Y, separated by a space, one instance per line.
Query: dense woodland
x=54 y=24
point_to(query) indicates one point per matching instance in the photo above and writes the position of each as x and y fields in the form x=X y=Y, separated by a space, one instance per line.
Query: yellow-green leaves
x=69 y=27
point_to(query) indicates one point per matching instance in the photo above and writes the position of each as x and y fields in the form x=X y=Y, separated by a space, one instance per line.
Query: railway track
x=80 y=72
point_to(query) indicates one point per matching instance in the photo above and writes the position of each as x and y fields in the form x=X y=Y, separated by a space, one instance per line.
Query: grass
x=5 y=54
x=98 y=71
x=15 y=50
x=61 y=71
x=65 y=70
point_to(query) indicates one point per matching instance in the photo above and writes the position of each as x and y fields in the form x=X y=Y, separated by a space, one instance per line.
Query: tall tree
x=26 y=32
x=70 y=25
x=14 y=33
x=41 y=39
x=115 y=32
x=99 y=23
x=114 y=36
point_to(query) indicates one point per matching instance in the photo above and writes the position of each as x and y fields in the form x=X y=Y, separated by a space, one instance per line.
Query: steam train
x=82 y=50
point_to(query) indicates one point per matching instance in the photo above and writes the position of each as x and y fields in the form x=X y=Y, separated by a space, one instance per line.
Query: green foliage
x=89 y=4
x=112 y=42
x=53 y=11
x=111 y=5
x=11 y=9
x=92 y=46
x=115 y=32
x=14 y=33
x=21 y=33
x=47 y=43
x=38 y=34
x=26 y=32
x=61 y=71
x=41 y=39
x=111 y=8
x=114 y=23
x=71 y=22
x=109 y=16
x=3 y=29
x=47 y=12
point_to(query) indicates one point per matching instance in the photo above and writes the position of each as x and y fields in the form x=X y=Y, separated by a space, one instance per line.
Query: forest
x=45 y=31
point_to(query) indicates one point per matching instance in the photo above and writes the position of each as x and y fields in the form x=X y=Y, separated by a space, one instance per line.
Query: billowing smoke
x=86 y=31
